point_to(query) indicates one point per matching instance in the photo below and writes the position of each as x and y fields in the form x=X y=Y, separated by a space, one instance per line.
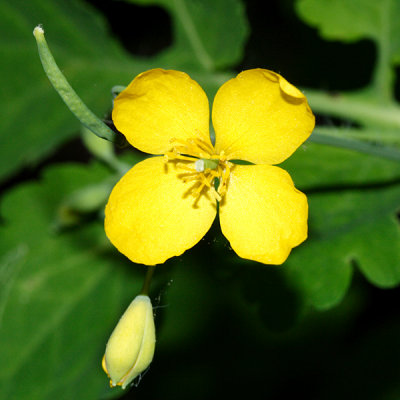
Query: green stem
x=193 y=36
x=71 y=99
x=353 y=108
x=383 y=136
x=383 y=73
x=147 y=280
x=355 y=145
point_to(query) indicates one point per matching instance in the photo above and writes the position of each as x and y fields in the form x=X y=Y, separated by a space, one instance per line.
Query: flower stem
x=71 y=99
x=147 y=280
x=355 y=108
x=383 y=76
x=386 y=136
x=355 y=145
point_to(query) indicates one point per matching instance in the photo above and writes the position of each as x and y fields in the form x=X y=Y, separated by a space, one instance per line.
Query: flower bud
x=130 y=348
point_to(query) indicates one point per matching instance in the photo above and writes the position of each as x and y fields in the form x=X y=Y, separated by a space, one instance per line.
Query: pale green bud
x=130 y=348
x=102 y=149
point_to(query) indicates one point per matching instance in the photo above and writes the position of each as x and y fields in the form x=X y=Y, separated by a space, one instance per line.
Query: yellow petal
x=260 y=117
x=150 y=215
x=160 y=105
x=262 y=214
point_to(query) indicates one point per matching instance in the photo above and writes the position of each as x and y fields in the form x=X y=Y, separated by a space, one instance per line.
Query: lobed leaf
x=349 y=228
x=315 y=166
x=208 y=34
x=351 y=20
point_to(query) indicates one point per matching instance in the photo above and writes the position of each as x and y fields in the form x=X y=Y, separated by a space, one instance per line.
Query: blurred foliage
x=54 y=288
x=94 y=62
x=353 y=20
x=225 y=326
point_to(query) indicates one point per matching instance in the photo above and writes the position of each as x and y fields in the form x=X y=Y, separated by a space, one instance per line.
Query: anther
x=185 y=167
x=216 y=194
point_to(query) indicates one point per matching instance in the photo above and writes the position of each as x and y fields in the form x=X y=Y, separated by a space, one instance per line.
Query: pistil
x=202 y=164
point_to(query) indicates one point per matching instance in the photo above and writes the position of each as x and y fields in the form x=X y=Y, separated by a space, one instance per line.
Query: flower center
x=201 y=166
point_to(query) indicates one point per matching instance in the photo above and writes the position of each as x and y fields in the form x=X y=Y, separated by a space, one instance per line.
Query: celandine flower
x=258 y=117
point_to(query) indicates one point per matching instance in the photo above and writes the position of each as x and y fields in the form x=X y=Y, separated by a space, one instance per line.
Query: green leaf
x=61 y=293
x=350 y=20
x=353 y=201
x=349 y=228
x=210 y=34
x=35 y=120
x=317 y=166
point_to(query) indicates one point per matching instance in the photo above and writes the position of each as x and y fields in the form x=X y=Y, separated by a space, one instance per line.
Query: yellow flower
x=258 y=117
x=130 y=348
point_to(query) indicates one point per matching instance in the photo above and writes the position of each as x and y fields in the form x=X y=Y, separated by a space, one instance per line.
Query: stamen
x=204 y=182
x=224 y=173
x=213 y=173
x=190 y=150
x=172 y=155
x=201 y=166
x=215 y=194
x=190 y=178
x=203 y=145
x=189 y=146
x=186 y=167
